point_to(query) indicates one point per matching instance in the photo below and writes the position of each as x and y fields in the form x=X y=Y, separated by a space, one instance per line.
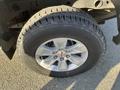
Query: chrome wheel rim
x=61 y=54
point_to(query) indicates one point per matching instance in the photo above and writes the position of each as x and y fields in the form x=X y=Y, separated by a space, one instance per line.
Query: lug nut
x=67 y=56
x=55 y=57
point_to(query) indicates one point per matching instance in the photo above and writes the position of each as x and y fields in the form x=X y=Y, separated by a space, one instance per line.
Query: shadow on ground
x=107 y=79
x=116 y=85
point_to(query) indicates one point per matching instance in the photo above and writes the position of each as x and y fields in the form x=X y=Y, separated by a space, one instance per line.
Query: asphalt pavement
x=105 y=75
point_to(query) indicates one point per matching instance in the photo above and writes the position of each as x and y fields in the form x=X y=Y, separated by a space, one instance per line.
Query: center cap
x=61 y=53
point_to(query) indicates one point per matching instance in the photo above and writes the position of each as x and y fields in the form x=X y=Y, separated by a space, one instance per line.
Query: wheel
x=62 y=41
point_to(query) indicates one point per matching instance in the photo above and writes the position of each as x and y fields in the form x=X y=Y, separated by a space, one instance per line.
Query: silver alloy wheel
x=61 y=54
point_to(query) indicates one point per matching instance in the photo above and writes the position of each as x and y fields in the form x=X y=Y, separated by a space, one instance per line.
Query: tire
x=58 y=22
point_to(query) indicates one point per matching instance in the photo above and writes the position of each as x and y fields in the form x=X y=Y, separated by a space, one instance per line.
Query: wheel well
x=23 y=10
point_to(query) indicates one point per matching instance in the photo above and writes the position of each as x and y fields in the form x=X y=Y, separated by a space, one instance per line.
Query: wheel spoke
x=76 y=60
x=49 y=61
x=75 y=49
x=60 y=43
x=45 y=51
x=62 y=65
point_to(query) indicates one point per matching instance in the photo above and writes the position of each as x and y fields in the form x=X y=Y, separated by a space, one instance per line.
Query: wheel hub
x=61 y=53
